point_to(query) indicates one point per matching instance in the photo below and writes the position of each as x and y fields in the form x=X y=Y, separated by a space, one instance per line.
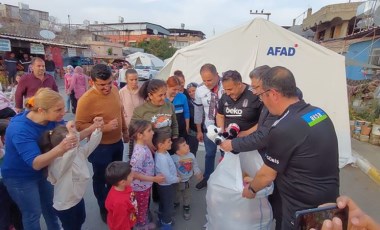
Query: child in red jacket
x=120 y=203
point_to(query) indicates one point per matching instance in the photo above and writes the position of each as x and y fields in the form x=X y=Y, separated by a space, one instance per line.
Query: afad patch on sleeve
x=314 y=117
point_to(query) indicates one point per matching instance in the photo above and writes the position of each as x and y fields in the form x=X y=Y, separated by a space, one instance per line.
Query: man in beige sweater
x=103 y=100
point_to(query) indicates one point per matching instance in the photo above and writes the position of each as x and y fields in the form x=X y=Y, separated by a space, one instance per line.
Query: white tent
x=145 y=59
x=319 y=72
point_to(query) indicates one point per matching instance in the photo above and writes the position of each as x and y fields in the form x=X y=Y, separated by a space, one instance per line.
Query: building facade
x=129 y=34
x=180 y=38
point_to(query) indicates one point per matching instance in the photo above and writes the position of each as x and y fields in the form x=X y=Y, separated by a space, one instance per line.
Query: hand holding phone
x=313 y=218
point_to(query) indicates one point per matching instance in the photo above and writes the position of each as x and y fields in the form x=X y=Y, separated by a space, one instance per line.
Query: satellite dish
x=155 y=32
x=47 y=34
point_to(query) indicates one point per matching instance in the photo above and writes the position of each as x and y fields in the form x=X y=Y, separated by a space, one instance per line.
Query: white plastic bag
x=226 y=208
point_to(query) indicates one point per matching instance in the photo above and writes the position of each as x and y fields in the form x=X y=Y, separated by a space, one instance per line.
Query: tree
x=158 y=47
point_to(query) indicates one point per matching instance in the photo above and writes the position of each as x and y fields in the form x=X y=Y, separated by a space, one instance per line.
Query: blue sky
x=209 y=16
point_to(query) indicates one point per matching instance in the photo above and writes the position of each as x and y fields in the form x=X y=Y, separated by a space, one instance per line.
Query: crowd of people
x=44 y=166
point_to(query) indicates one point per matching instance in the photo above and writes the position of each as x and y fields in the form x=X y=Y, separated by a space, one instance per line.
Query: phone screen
x=313 y=218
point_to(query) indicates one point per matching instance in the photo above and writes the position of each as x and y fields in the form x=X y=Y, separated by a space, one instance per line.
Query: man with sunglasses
x=103 y=100
x=302 y=149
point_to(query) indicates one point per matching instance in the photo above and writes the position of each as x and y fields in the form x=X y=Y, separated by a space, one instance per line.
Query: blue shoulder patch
x=314 y=117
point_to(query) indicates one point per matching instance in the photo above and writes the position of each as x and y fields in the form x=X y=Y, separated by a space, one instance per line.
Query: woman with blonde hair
x=23 y=165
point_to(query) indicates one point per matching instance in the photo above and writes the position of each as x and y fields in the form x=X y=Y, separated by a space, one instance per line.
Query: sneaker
x=202 y=184
x=176 y=204
x=186 y=212
x=166 y=226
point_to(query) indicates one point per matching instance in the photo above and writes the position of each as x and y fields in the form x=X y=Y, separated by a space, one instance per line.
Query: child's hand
x=199 y=176
x=70 y=125
x=113 y=124
x=98 y=123
x=69 y=142
x=159 y=178
x=247 y=180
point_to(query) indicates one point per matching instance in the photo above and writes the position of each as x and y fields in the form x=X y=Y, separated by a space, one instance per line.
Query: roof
x=37 y=40
x=344 y=11
x=184 y=31
x=129 y=26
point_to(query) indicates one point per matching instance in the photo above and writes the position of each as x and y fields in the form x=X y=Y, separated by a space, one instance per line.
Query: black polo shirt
x=245 y=111
x=303 y=149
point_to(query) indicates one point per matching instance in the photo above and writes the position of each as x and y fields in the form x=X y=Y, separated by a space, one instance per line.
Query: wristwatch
x=251 y=189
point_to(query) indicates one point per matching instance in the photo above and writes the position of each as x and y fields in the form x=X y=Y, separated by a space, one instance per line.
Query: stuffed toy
x=214 y=133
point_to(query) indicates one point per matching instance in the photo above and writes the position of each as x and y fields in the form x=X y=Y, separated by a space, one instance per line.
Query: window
x=332 y=30
x=375 y=57
x=321 y=35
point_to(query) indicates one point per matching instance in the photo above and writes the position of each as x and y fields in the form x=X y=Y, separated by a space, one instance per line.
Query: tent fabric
x=319 y=72
x=145 y=59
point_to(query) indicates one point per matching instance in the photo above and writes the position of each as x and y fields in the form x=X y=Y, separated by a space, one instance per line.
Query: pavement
x=353 y=183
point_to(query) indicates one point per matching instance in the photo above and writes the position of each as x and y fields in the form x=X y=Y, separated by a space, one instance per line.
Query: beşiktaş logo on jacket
x=233 y=112
x=282 y=50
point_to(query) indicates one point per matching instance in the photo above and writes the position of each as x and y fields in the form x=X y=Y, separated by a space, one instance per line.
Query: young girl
x=143 y=170
x=69 y=73
x=69 y=173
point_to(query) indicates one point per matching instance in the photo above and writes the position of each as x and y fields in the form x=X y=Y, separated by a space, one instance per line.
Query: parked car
x=146 y=72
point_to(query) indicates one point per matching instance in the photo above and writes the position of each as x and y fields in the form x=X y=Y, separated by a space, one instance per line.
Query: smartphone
x=313 y=218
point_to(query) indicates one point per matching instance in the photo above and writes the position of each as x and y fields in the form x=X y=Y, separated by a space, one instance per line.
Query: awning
x=34 y=40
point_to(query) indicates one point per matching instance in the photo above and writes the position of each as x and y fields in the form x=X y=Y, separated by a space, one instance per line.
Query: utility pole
x=260 y=13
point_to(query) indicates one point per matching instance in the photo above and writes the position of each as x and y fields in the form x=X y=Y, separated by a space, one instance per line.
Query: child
x=10 y=215
x=69 y=173
x=187 y=166
x=142 y=163
x=120 y=203
x=14 y=88
x=166 y=191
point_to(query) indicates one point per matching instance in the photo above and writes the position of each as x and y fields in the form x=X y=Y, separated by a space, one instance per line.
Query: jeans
x=74 y=102
x=33 y=197
x=9 y=212
x=165 y=207
x=192 y=141
x=102 y=156
x=68 y=102
x=74 y=217
x=210 y=147
x=183 y=193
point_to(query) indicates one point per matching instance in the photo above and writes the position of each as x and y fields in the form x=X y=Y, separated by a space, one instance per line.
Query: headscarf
x=78 y=70
x=71 y=69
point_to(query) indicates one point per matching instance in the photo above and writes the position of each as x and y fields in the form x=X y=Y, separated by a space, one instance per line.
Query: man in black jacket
x=257 y=139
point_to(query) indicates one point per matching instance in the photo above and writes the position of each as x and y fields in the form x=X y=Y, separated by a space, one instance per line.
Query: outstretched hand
x=357 y=219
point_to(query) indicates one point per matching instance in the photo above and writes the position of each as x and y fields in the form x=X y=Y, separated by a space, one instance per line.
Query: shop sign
x=86 y=53
x=5 y=45
x=71 y=52
x=37 y=48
